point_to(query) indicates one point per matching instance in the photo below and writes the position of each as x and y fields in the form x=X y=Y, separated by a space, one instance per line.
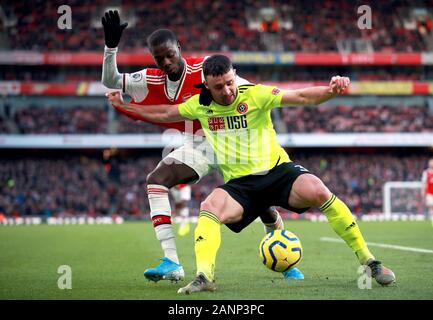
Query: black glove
x=205 y=95
x=112 y=28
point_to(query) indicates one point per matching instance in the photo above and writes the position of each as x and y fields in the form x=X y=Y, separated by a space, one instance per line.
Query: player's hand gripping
x=112 y=28
x=339 y=84
x=116 y=100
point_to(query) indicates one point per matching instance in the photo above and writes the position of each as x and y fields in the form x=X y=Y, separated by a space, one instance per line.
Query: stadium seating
x=313 y=28
x=53 y=184
x=347 y=119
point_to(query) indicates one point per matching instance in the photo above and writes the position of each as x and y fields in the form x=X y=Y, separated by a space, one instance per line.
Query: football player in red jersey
x=172 y=82
x=427 y=188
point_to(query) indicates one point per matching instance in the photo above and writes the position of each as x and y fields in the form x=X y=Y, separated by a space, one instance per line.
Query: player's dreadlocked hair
x=217 y=65
x=161 y=36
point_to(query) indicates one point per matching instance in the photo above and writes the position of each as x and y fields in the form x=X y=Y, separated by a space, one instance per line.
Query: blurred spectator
x=270 y=22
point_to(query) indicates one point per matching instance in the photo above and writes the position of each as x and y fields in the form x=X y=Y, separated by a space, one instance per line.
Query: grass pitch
x=107 y=262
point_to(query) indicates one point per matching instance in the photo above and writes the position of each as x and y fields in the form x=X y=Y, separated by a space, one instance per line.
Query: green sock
x=207 y=237
x=343 y=223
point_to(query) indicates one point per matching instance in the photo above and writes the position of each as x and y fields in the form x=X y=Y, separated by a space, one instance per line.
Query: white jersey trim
x=135 y=84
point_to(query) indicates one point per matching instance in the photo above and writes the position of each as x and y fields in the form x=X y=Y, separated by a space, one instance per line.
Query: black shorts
x=256 y=193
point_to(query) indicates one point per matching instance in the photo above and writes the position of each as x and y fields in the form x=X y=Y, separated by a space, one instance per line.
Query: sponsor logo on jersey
x=237 y=122
x=229 y=123
x=242 y=108
x=276 y=91
x=216 y=123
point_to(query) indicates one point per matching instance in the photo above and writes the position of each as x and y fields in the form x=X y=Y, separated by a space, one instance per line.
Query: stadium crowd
x=3 y=125
x=277 y=73
x=128 y=125
x=307 y=25
x=254 y=73
x=59 y=120
x=78 y=184
x=358 y=119
x=80 y=120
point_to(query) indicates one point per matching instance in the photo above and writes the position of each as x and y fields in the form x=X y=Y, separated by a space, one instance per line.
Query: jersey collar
x=179 y=88
x=233 y=104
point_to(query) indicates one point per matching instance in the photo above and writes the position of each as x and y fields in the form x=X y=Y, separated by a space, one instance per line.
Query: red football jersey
x=151 y=87
x=428 y=181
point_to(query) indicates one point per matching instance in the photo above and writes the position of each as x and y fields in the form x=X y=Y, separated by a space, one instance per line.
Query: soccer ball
x=280 y=250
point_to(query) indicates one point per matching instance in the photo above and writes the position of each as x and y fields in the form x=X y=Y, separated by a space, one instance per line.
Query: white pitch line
x=382 y=245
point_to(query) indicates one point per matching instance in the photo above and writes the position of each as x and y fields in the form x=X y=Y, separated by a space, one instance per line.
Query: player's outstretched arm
x=112 y=28
x=111 y=78
x=164 y=113
x=316 y=95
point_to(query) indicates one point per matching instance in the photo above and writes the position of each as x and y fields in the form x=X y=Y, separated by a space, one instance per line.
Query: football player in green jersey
x=257 y=171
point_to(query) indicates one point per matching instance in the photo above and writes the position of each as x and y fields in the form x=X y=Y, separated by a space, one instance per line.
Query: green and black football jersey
x=241 y=134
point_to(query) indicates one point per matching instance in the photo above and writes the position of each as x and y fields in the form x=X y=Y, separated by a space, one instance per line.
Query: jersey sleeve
x=188 y=109
x=135 y=85
x=267 y=97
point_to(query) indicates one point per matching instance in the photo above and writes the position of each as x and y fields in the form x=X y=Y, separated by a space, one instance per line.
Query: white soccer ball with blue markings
x=280 y=250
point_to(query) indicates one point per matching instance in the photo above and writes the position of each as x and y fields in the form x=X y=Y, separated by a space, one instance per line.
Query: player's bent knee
x=322 y=194
x=162 y=178
x=153 y=178
x=212 y=206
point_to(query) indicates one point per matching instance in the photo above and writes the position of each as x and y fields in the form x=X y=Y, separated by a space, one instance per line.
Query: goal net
x=403 y=198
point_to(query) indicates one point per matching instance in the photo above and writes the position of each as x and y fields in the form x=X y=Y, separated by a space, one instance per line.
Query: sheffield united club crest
x=242 y=108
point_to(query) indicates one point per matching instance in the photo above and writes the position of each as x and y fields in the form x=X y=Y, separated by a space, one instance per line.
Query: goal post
x=402 y=198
